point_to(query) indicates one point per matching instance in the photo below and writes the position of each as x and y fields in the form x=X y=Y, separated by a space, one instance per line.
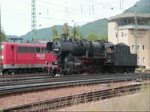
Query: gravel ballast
x=40 y=95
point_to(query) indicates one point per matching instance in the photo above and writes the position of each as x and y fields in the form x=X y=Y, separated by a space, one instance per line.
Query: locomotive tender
x=80 y=56
x=23 y=57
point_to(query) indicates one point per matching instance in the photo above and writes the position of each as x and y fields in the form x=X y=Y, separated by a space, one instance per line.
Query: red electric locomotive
x=23 y=57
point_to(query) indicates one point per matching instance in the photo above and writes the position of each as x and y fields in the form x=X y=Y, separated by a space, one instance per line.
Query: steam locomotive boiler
x=80 y=55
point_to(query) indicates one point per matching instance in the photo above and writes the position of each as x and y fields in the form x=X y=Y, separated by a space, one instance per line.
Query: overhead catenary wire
x=83 y=12
x=80 y=10
x=90 y=14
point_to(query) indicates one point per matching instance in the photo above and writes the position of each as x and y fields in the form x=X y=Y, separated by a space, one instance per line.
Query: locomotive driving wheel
x=70 y=68
x=52 y=72
x=90 y=69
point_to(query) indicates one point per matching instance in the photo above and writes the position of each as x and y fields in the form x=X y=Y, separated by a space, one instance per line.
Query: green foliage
x=3 y=36
x=75 y=32
x=54 y=33
x=66 y=29
x=103 y=38
x=98 y=27
x=81 y=35
x=92 y=36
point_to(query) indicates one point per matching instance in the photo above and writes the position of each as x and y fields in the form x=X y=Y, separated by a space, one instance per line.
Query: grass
x=137 y=102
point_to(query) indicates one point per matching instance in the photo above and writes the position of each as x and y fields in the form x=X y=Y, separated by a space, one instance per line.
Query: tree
x=54 y=33
x=3 y=36
x=92 y=36
x=66 y=29
x=102 y=37
x=75 y=32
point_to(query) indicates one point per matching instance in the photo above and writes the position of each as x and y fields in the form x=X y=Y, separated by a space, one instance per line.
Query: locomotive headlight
x=46 y=62
x=2 y=57
x=56 y=49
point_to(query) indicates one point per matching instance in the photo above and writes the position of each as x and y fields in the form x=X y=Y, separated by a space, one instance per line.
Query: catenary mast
x=33 y=19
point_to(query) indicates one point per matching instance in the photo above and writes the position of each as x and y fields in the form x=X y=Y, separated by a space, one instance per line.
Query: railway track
x=25 y=80
x=10 y=79
x=67 y=82
x=13 y=78
x=44 y=79
x=53 y=104
x=21 y=75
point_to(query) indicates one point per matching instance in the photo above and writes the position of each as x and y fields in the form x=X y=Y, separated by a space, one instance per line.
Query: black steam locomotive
x=82 y=56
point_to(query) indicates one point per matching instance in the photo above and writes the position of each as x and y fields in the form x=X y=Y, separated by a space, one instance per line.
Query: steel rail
x=30 y=79
x=23 y=75
x=13 y=79
x=53 y=104
x=50 y=85
x=40 y=79
x=27 y=77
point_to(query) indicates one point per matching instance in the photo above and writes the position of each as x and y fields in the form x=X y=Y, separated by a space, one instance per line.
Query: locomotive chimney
x=64 y=37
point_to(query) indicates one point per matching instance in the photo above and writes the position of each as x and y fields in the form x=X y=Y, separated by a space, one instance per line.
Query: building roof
x=129 y=15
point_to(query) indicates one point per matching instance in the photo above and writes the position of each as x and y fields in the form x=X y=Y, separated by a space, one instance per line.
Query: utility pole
x=117 y=36
x=135 y=31
x=33 y=19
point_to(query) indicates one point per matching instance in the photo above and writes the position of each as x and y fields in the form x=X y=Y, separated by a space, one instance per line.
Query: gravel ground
x=137 y=102
x=23 y=98
x=102 y=105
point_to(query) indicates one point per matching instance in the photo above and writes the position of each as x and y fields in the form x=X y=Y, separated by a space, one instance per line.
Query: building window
x=135 y=47
x=132 y=47
x=116 y=34
x=143 y=47
x=143 y=59
x=122 y=34
x=138 y=47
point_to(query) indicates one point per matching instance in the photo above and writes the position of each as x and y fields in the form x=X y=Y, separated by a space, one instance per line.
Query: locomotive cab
x=109 y=53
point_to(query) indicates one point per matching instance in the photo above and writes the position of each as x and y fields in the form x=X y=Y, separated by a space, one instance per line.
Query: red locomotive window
x=38 y=49
x=25 y=49
x=12 y=48
x=12 y=53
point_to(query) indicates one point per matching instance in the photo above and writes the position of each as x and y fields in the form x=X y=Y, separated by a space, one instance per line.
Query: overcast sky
x=16 y=14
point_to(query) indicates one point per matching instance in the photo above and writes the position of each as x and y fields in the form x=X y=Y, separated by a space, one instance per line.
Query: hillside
x=98 y=27
x=42 y=34
x=143 y=6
